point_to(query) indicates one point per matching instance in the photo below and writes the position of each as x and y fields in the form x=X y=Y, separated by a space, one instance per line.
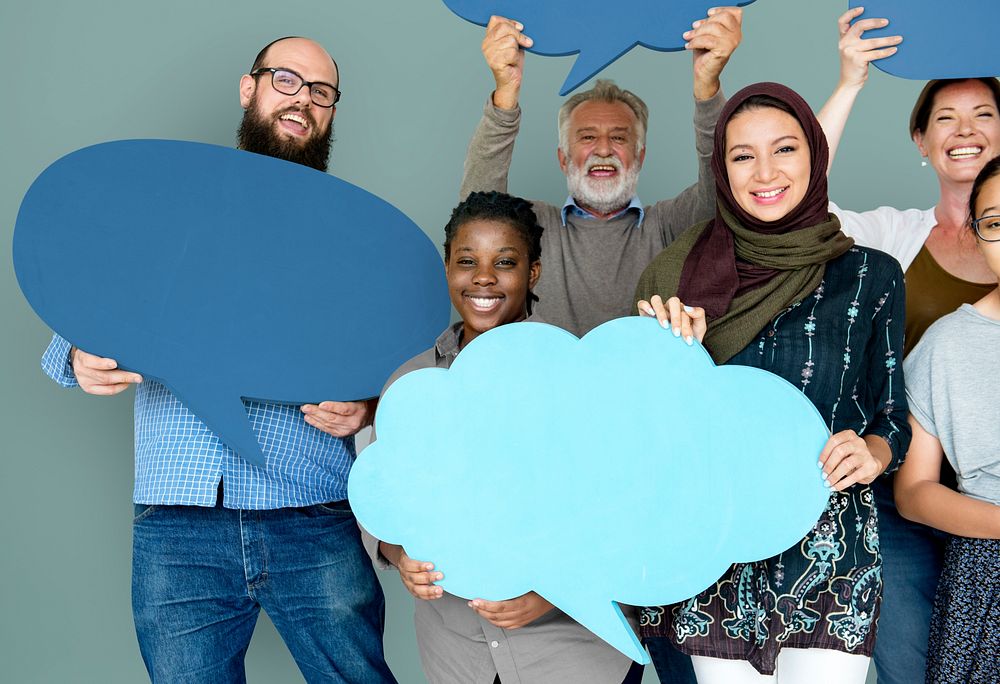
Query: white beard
x=603 y=195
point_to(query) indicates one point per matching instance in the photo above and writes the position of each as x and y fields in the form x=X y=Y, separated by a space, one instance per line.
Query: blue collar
x=571 y=206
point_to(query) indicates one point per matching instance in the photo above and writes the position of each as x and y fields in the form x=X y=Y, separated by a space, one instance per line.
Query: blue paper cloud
x=623 y=467
x=940 y=39
x=225 y=274
x=598 y=30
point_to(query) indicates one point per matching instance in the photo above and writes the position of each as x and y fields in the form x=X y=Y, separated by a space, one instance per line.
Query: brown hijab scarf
x=742 y=270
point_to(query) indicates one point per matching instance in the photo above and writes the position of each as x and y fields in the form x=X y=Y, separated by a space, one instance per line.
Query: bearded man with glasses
x=215 y=538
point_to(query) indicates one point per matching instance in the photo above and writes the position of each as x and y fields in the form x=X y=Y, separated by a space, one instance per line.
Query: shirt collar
x=571 y=206
x=447 y=344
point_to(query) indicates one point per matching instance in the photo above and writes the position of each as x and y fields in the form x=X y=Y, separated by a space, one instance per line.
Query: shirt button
x=494 y=644
x=770 y=333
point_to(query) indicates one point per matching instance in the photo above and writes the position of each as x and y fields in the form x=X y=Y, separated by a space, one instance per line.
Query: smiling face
x=289 y=126
x=603 y=159
x=489 y=275
x=767 y=159
x=962 y=131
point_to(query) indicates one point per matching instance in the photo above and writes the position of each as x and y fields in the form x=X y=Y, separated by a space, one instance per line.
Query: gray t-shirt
x=953 y=389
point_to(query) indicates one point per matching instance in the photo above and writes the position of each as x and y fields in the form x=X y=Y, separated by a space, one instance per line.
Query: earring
x=923 y=162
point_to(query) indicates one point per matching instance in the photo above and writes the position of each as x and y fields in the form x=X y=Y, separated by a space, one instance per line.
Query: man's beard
x=257 y=134
x=603 y=196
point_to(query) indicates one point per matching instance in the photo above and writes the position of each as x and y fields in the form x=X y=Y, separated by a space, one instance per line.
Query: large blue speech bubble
x=623 y=467
x=225 y=274
x=940 y=39
x=600 y=31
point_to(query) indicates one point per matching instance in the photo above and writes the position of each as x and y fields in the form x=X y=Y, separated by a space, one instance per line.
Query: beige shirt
x=459 y=647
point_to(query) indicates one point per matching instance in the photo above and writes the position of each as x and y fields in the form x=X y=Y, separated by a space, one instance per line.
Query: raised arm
x=712 y=42
x=487 y=160
x=856 y=53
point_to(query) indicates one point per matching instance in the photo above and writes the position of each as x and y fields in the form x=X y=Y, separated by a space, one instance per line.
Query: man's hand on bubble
x=503 y=48
x=340 y=418
x=99 y=375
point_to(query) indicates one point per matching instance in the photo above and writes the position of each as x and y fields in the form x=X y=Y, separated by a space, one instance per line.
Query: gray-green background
x=77 y=72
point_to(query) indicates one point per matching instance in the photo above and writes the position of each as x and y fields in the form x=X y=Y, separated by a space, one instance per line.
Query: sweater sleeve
x=695 y=203
x=487 y=161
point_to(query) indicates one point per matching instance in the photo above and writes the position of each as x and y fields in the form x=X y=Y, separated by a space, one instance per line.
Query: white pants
x=794 y=666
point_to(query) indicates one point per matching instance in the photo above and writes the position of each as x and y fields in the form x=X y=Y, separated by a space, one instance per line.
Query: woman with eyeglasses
x=953 y=397
x=955 y=125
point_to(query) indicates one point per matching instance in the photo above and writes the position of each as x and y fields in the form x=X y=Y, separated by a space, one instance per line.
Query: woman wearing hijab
x=782 y=289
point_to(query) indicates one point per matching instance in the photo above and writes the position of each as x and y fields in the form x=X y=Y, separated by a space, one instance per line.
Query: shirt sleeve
x=919 y=389
x=898 y=233
x=370 y=542
x=487 y=161
x=56 y=362
x=885 y=381
x=695 y=203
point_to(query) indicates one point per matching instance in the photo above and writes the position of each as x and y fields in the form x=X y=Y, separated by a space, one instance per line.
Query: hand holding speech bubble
x=624 y=467
x=940 y=39
x=599 y=31
x=227 y=275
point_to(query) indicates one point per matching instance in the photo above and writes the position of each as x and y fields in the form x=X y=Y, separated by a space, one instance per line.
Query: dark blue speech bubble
x=940 y=39
x=600 y=31
x=225 y=274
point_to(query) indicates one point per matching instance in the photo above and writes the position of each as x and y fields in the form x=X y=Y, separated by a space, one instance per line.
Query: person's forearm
x=880 y=450
x=391 y=552
x=506 y=97
x=706 y=88
x=934 y=504
x=834 y=114
x=488 y=157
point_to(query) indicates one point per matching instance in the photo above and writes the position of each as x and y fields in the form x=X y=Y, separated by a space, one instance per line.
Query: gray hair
x=604 y=91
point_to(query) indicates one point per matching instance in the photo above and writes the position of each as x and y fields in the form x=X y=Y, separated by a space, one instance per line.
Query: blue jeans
x=911 y=564
x=672 y=666
x=201 y=575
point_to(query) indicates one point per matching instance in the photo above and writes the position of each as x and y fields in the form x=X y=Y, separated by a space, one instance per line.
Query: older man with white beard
x=596 y=245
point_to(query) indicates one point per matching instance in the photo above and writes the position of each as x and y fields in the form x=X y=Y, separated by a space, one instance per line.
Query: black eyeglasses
x=287 y=82
x=987 y=228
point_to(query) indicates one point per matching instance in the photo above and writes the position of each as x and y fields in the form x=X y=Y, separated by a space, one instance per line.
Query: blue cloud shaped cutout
x=623 y=467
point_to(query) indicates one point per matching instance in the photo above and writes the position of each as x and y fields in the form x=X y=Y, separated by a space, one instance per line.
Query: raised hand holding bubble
x=601 y=32
x=931 y=50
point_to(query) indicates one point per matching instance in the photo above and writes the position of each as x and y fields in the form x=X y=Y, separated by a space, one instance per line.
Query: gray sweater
x=590 y=266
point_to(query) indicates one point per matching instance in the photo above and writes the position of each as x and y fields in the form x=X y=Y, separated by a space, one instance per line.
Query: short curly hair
x=498 y=206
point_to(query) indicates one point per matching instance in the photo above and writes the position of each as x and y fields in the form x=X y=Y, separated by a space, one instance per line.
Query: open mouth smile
x=295 y=123
x=965 y=152
x=768 y=196
x=484 y=304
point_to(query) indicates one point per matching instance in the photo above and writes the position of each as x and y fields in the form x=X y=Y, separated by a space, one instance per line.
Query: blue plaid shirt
x=179 y=461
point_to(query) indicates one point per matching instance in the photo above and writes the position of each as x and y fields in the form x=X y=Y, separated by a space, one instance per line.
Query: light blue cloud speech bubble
x=598 y=30
x=225 y=274
x=623 y=467
x=940 y=39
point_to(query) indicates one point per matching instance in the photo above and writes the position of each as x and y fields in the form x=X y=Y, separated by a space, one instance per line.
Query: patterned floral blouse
x=842 y=346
